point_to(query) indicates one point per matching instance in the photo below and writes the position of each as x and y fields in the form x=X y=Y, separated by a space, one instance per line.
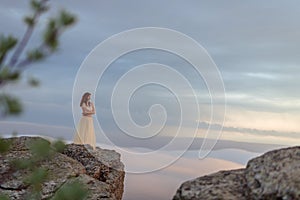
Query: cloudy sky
x=254 y=44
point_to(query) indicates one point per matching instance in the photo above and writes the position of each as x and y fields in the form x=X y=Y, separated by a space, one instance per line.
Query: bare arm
x=93 y=108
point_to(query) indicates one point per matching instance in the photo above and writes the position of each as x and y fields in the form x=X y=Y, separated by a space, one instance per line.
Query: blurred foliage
x=58 y=146
x=42 y=150
x=11 y=72
x=9 y=105
x=3 y=197
x=11 y=68
x=6 y=44
x=4 y=146
x=71 y=191
x=35 y=180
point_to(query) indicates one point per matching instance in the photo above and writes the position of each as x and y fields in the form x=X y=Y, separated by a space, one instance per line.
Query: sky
x=254 y=44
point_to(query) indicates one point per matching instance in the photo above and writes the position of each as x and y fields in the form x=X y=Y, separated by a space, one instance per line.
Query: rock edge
x=273 y=175
x=100 y=170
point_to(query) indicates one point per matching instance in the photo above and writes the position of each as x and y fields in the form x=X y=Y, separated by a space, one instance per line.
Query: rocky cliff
x=274 y=175
x=100 y=171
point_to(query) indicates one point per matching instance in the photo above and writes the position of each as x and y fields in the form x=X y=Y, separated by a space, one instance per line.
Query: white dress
x=85 y=133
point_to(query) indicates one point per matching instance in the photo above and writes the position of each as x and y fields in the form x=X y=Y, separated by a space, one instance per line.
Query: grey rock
x=97 y=189
x=101 y=164
x=274 y=175
x=100 y=170
x=221 y=185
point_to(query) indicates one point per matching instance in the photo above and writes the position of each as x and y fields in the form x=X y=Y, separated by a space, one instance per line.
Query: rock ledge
x=100 y=170
x=274 y=175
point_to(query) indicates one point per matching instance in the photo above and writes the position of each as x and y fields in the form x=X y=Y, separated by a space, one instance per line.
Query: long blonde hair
x=84 y=99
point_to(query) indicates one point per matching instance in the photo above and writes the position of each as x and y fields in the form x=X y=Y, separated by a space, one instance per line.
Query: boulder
x=100 y=171
x=274 y=175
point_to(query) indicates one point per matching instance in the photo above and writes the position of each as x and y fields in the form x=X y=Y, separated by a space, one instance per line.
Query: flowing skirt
x=85 y=133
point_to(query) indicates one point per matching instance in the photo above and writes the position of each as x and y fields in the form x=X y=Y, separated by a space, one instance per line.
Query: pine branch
x=31 y=22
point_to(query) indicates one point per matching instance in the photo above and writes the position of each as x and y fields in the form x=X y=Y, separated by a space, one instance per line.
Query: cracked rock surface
x=274 y=175
x=100 y=170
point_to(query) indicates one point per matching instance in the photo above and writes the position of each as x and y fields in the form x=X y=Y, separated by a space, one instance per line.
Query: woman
x=85 y=129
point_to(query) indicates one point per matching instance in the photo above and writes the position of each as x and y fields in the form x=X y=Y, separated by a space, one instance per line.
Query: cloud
x=238 y=140
x=254 y=44
x=29 y=128
x=165 y=182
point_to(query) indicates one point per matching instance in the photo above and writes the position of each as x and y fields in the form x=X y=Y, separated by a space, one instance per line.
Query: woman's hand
x=88 y=113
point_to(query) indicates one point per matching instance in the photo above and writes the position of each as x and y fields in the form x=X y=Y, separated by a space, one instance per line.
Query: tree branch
x=43 y=48
x=26 y=37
